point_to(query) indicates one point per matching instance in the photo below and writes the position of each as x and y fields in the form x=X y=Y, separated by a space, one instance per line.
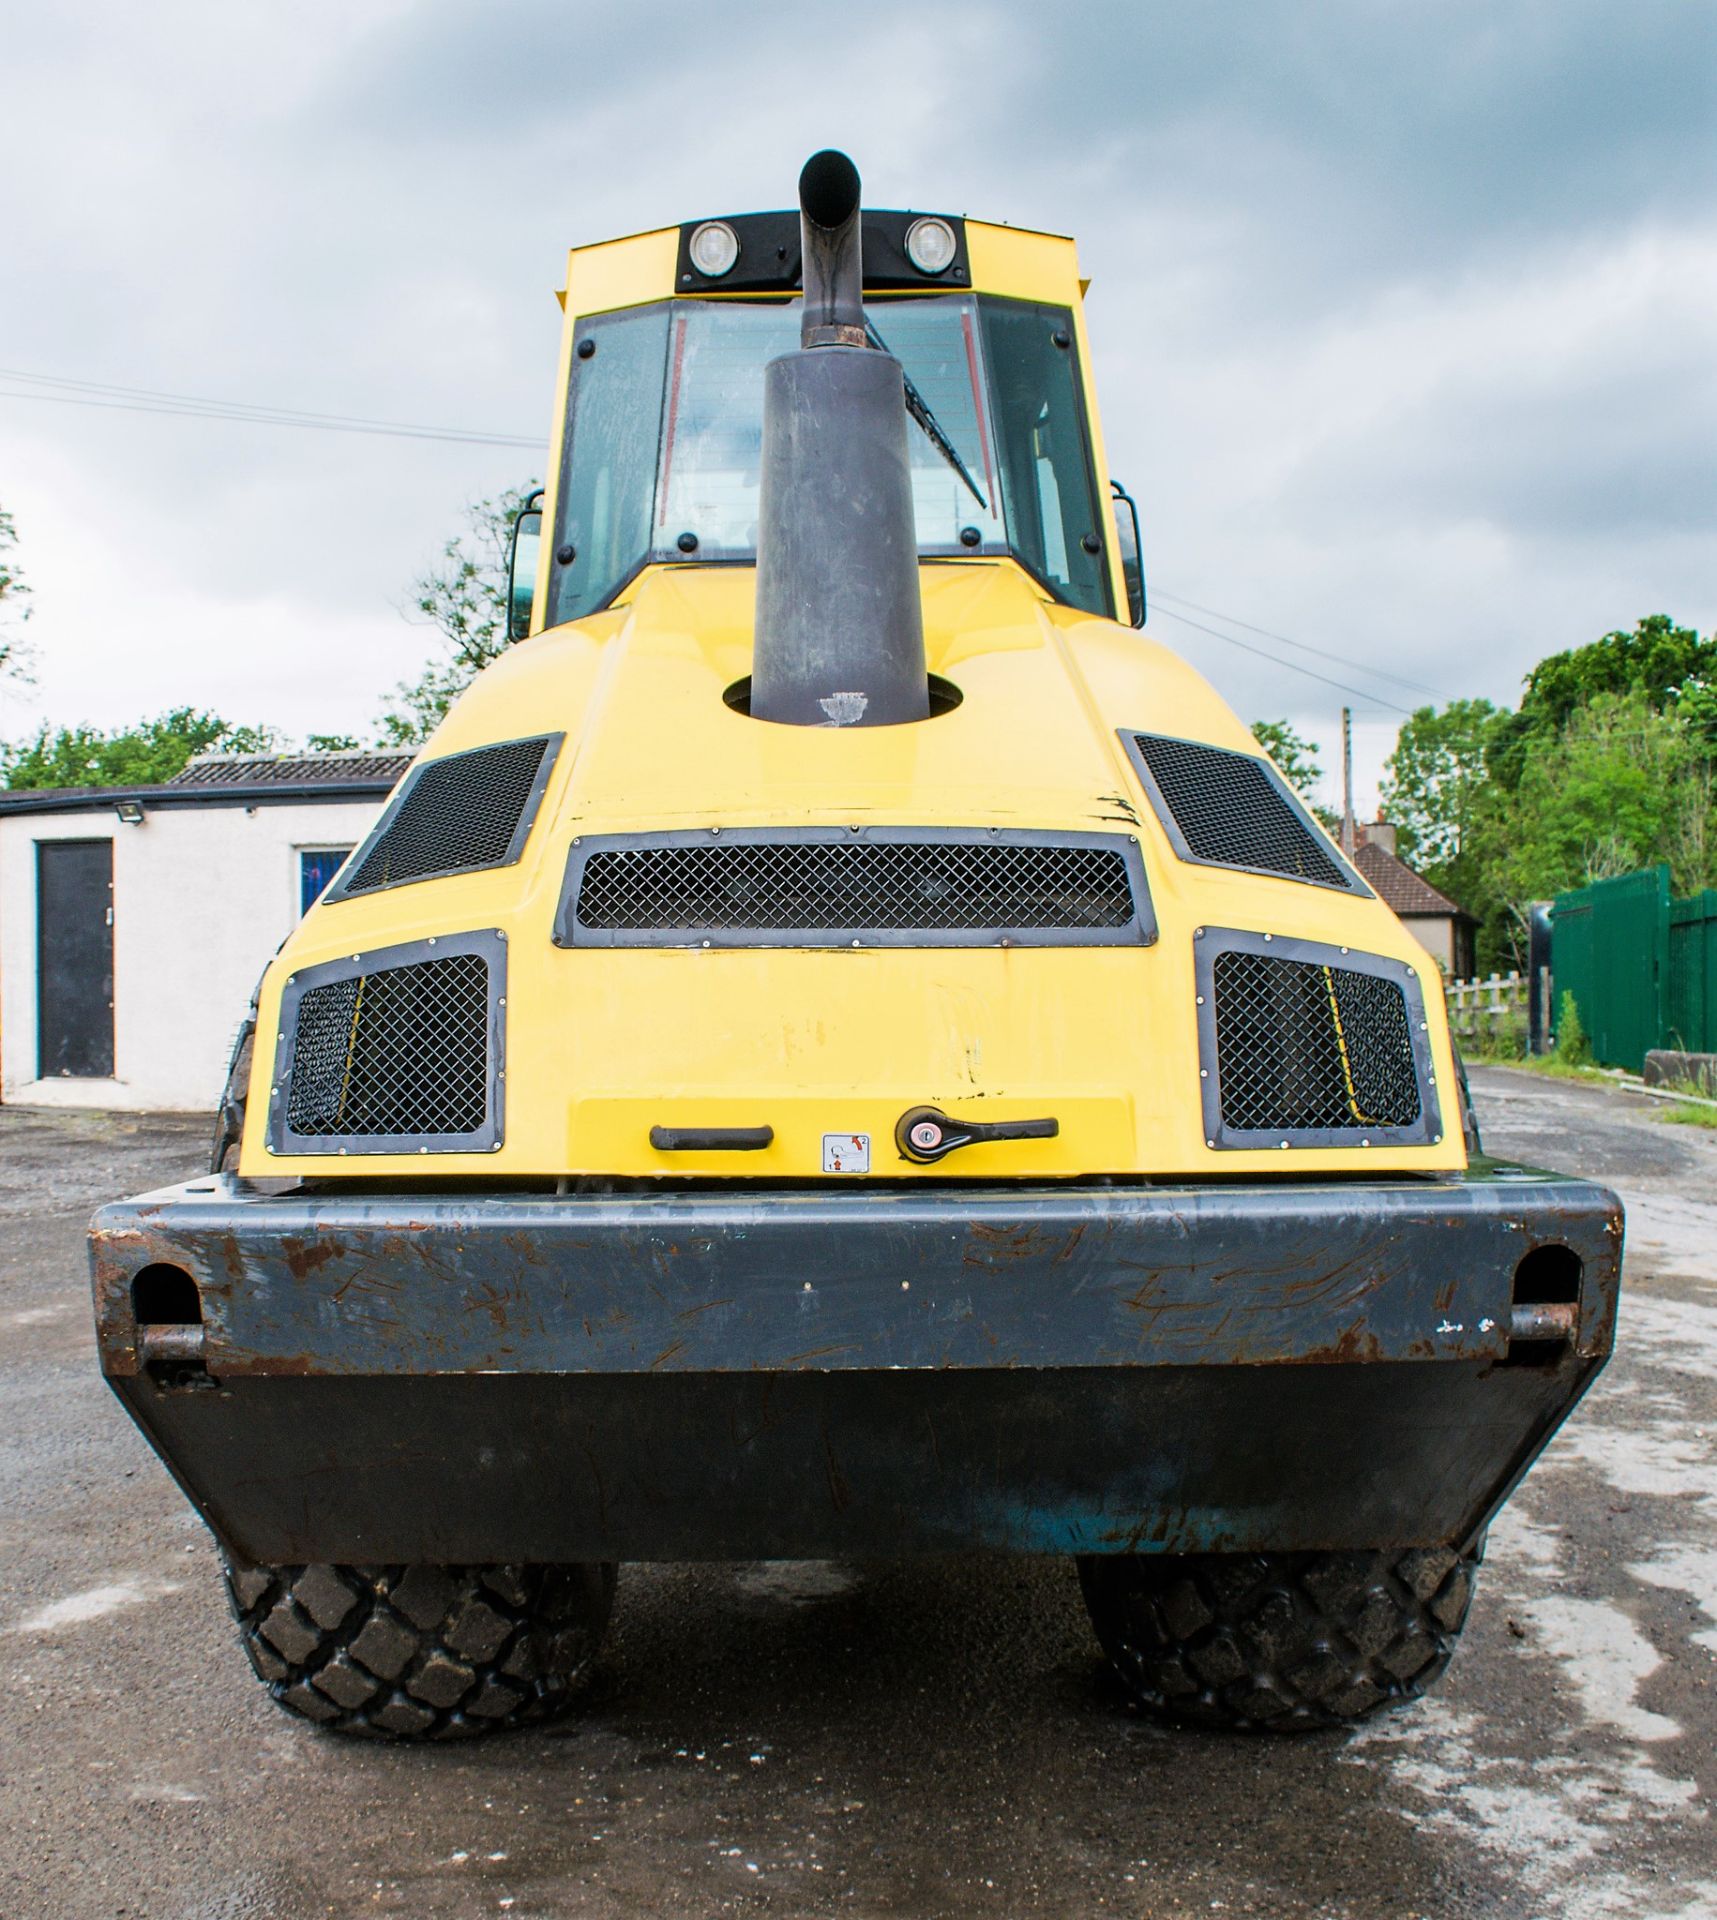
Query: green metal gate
x=1692 y=1010
x=1610 y=947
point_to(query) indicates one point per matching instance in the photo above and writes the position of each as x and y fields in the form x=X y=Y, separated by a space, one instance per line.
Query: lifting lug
x=926 y=1134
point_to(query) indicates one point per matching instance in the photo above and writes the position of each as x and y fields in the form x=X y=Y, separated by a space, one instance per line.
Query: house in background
x=135 y=922
x=1444 y=929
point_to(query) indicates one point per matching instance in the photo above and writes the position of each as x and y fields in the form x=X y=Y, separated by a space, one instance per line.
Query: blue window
x=316 y=867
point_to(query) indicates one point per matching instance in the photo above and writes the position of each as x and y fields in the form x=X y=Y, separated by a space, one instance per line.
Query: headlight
x=930 y=245
x=714 y=248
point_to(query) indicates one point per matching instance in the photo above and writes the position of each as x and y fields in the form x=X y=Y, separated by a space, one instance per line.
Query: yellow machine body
x=604 y=1044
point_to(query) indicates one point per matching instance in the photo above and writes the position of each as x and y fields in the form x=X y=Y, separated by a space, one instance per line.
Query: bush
x=1573 y=1049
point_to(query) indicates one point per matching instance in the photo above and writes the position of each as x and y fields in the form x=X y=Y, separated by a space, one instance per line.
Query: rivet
x=706 y=943
x=715 y=829
x=502 y=1001
x=423 y=1149
x=1269 y=936
x=1210 y=1143
x=1365 y=1143
x=587 y=346
x=1199 y=997
x=1198 y=933
x=1204 y=1073
x=432 y=939
x=291 y=979
x=807 y=1286
x=858 y=943
x=1284 y=1146
x=906 y=1286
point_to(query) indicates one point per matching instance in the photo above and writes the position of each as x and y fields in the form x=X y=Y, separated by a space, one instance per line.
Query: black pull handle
x=926 y=1134
x=711 y=1139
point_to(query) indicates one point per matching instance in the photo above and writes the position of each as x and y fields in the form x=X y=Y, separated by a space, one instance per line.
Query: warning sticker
x=846 y=1153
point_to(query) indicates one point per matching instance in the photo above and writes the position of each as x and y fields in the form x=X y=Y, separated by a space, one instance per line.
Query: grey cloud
x=364 y=208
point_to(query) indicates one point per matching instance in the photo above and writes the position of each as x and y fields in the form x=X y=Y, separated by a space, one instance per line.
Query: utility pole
x=1347 y=828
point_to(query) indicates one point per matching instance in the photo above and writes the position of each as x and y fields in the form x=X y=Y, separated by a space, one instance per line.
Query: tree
x=1621 y=787
x=465 y=596
x=1433 y=783
x=128 y=757
x=1657 y=660
x=15 y=656
x=1297 y=758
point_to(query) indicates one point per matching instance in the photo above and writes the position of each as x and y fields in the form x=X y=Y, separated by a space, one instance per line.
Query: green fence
x=1692 y=996
x=1642 y=968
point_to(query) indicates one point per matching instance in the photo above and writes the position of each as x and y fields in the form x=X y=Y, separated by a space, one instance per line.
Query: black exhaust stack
x=840 y=634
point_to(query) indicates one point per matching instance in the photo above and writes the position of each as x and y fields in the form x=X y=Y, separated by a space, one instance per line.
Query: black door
x=74 y=958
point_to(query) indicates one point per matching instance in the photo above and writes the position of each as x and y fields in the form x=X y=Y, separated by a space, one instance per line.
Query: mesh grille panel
x=458 y=814
x=1305 y=1047
x=855 y=886
x=404 y=1050
x=1230 y=812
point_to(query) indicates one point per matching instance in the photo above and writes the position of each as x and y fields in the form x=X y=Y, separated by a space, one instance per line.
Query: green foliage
x=15 y=656
x=1433 y=781
x=331 y=743
x=1503 y=1040
x=128 y=757
x=1657 y=660
x=1609 y=765
x=1573 y=1049
x=1620 y=787
x=465 y=597
x=1296 y=757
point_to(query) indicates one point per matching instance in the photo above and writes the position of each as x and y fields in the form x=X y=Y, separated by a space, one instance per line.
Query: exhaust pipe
x=840 y=632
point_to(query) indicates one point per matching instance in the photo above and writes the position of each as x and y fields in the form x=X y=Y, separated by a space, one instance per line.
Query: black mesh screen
x=1231 y=813
x=1305 y=1047
x=855 y=886
x=458 y=814
x=404 y=1050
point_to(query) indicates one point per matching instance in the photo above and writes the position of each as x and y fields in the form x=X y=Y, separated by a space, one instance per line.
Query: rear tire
x=1278 y=1642
x=424 y=1652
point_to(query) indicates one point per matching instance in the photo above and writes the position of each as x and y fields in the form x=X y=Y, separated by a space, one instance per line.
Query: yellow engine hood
x=603 y=1044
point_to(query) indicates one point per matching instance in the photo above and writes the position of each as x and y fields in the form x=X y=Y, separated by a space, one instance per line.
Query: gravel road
x=917 y=1739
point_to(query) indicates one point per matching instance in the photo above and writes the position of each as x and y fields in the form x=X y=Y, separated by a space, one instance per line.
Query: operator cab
x=663 y=435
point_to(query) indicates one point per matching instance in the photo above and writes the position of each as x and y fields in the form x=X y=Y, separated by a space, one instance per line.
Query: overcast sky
x=1405 y=317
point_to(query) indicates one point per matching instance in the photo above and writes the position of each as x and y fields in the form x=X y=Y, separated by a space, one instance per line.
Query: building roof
x=274 y=769
x=230 y=780
x=1399 y=887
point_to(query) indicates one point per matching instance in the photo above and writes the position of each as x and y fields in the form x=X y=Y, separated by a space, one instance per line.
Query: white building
x=135 y=922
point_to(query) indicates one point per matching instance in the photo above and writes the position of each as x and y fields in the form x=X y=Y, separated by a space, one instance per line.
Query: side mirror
x=522 y=567
x=1127 y=540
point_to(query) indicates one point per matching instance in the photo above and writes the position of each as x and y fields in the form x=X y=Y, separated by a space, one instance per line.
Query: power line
x=1340 y=659
x=107 y=396
x=1293 y=666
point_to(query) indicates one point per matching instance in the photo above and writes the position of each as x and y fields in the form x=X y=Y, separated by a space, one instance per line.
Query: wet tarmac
x=913 y=1738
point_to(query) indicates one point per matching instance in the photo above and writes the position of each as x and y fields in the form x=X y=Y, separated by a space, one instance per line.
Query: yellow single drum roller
x=840 y=1045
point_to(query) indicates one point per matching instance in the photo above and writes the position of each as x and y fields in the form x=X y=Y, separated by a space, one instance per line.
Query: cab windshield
x=665 y=433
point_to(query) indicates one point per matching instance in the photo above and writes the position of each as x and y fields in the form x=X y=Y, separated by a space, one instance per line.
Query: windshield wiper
x=919 y=408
